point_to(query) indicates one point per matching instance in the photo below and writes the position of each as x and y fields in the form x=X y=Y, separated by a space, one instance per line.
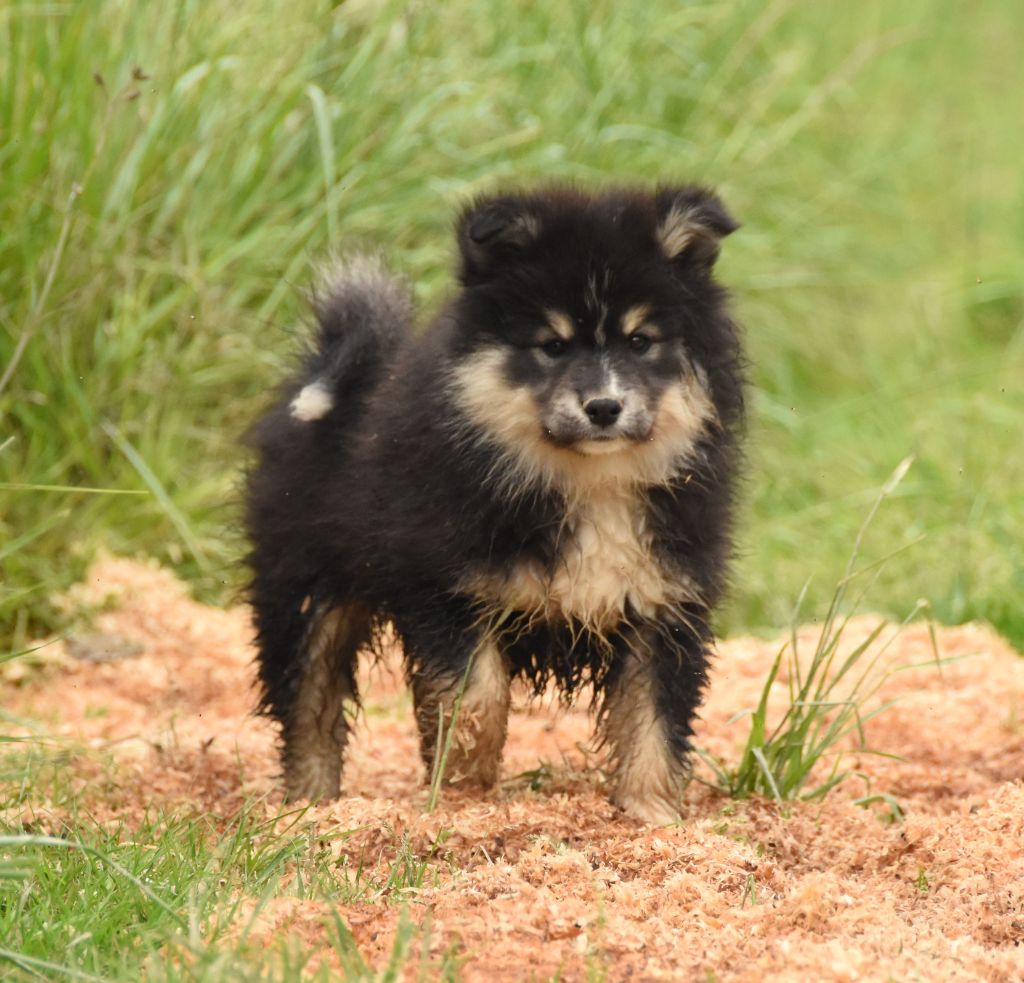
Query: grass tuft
x=830 y=696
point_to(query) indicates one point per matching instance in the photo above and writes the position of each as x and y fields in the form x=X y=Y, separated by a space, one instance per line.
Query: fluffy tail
x=363 y=313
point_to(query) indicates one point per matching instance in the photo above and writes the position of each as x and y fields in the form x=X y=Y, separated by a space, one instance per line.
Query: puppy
x=537 y=486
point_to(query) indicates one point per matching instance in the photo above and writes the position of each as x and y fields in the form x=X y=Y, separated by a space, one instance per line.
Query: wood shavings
x=543 y=875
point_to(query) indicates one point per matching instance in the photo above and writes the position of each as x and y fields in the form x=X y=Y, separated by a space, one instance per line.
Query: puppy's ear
x=492 y=231
x=691 y=224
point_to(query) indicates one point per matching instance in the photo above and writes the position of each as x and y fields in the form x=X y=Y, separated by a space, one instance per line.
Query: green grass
x=169 y=172
x=178 y=896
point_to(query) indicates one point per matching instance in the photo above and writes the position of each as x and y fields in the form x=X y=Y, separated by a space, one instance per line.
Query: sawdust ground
x=543 y=875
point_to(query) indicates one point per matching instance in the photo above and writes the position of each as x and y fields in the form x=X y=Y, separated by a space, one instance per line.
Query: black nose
x=603 y=412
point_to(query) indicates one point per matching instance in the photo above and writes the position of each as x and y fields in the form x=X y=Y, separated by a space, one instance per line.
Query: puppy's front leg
x=647 y=715
x=443 y=664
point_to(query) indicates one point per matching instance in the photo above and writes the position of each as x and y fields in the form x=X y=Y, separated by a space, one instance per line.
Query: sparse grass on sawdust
x=542 y=876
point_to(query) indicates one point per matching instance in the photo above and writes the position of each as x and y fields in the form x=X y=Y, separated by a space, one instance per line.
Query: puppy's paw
x=483 y=776
x=653 y=810
x=312 y=781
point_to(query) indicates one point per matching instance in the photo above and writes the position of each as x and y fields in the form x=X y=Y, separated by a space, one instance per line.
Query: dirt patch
x=543 y=875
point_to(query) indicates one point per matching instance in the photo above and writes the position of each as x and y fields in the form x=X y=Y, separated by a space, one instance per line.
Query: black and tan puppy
x=539 y=485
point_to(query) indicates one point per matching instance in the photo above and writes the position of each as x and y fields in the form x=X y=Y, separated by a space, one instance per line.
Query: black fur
x=389 y=503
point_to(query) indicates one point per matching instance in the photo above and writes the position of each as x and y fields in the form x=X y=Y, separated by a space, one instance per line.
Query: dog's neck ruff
x=605 y=571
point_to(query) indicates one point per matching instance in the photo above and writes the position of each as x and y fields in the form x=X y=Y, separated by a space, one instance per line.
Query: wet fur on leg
x=483 y=695
x=647 y=778
x=316 y=730
x=647 y=714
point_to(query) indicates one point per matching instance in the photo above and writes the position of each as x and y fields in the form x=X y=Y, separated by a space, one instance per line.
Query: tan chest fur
x=605 y=562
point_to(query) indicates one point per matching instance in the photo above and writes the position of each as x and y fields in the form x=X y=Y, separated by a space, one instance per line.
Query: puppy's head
x=583 y=330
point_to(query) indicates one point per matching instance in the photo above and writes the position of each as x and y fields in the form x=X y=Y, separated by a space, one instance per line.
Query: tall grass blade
x=147 y=474
x=779 y=762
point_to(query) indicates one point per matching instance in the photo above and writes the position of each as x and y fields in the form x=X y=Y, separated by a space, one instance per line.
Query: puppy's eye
x=639 y=343
x=554 y=347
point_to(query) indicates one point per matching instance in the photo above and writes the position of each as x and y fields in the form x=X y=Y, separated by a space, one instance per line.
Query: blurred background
x=170 y=172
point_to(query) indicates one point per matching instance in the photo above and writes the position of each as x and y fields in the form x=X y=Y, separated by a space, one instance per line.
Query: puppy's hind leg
x=315 y=725
x=480 y=723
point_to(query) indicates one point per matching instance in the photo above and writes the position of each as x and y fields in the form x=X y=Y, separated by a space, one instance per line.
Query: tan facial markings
x=634 y=319
x=561 y=324
x=510 y=418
